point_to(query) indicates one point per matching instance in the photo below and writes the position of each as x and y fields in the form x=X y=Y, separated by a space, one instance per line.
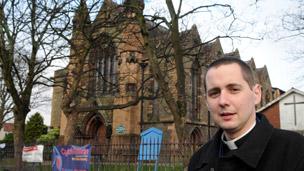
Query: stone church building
x=118 y=72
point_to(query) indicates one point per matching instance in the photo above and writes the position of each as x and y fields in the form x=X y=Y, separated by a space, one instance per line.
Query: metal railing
x=120 y=156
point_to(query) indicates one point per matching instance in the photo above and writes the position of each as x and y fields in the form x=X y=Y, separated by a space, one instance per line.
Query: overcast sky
x=254 y=20
x=277 y=55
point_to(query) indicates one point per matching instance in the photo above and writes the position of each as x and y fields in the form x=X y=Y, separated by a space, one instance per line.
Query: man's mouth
x=227 y=115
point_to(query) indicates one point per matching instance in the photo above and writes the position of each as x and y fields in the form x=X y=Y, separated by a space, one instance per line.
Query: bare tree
x=175 y=94
x=293 y=25
x=5 y=105
x=293 y=21
x=176 y=98
x=28 y=47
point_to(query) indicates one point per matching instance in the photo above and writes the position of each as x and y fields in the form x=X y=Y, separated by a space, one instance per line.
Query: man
x=245 y=140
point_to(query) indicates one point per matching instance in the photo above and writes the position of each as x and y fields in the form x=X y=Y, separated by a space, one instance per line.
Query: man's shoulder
x=291 y=145
x=287 y=134
x=281 y=135
x=207 y=149
x=202 y=155
x=288 y=137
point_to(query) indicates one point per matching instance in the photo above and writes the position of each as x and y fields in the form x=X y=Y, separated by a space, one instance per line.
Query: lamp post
x=142 y=65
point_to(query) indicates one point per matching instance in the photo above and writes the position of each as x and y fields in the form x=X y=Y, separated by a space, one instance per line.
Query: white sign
x=32 y=153
x=2 y=145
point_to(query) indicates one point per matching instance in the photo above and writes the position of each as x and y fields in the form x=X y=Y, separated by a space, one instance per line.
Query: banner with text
x=32 y=153
x=71 y=158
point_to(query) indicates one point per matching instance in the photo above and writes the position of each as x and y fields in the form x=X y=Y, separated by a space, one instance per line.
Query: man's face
x=230 y=99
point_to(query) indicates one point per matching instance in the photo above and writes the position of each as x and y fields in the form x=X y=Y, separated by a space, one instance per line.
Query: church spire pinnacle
x=81 y=15
x=108 y=2
x=135 y=3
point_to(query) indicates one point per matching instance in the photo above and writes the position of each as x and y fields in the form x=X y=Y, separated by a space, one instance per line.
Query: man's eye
x=234 y=90
x=213 y=94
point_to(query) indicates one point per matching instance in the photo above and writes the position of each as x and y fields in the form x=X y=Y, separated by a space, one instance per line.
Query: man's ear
x=257 y=93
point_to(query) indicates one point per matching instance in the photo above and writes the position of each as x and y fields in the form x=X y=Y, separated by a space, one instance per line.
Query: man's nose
x=223 y=99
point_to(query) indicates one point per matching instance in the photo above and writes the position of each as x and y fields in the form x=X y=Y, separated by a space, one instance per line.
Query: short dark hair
x=245 y=68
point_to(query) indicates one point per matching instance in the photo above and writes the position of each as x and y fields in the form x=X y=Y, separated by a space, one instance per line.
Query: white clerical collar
x=231 y=143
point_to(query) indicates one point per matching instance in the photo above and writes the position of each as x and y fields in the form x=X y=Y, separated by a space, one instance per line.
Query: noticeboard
x=150 y=144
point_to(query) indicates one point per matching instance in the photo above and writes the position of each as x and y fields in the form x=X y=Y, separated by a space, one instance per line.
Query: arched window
x=196 y=90
x=106 y=64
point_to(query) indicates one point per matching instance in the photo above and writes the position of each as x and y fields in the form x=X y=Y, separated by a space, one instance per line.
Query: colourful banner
x=71 y=158
x=32 y=153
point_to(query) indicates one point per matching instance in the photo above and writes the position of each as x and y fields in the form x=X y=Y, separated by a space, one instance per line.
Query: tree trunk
x=70 y=129
x=19 y=127
x=177 y=105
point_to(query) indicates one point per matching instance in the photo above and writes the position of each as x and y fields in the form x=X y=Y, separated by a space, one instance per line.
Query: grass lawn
x=9 y=164
x=111 y=167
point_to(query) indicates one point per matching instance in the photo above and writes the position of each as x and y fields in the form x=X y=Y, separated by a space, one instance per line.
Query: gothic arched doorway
x=96 y=129
x=196 y=138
